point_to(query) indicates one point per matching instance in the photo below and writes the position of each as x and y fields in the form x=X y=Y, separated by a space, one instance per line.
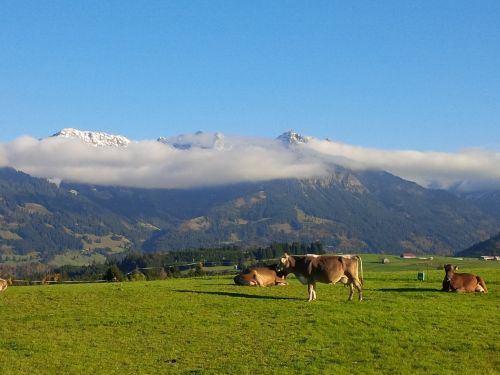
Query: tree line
x=160 y=265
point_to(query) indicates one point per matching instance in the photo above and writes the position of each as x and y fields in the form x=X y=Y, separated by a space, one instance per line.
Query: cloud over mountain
x=467 y=170
x=157 y=164
x=204 y=159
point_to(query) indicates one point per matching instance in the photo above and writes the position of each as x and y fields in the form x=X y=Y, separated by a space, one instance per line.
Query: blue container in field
x=421 y=276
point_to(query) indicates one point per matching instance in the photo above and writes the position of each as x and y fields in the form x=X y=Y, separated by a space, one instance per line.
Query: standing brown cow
x=462 y=282
x=3 y=284
x=261 y=276
x=310 y=269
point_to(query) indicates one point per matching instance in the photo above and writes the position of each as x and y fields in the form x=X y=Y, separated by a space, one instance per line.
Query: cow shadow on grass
x=408 y=290
x=237 y=295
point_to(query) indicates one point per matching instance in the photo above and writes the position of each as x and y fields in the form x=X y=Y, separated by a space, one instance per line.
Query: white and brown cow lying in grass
x=462 y=282
x=312 y=268
x=261 y=276
x=3 y=284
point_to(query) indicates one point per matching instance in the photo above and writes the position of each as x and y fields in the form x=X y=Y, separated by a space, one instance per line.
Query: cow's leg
x=259 y=280
x=355 y=282
x=359 y=287
x=482 y=284
x=280 y=281
x=351 y=290
x=311 y=287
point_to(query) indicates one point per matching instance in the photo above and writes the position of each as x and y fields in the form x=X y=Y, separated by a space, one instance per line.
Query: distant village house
x=490 y=257
x=408 y=256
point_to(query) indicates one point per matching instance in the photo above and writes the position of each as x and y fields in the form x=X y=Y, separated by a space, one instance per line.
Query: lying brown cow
x=462 y=282
x=3 y=284
x=310 y=269
x=261 y=276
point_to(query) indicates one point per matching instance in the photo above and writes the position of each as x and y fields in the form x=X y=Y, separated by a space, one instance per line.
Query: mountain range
x=181 y=142
x=347 y=210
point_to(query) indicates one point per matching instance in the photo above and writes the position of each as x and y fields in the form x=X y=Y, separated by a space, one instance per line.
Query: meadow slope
x=210 y=326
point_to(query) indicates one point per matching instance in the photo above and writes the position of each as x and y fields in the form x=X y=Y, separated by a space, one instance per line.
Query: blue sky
x=417 y=75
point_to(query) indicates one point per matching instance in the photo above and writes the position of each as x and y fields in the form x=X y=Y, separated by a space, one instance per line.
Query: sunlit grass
x=211 y=326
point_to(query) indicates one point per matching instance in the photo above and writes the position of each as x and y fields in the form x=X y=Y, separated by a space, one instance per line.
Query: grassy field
x=210 y=326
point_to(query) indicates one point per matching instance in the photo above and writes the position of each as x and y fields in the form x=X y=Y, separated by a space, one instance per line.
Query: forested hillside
x=39 y=218
x=489 y=247
x=348 y=211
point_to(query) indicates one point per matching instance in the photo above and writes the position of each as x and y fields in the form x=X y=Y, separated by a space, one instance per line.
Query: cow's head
x=284 y=263
x=450 y=268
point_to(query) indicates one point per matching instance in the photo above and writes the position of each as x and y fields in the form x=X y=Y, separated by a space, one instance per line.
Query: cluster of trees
x=151 y=266
x=39 y=235
x=228 y=255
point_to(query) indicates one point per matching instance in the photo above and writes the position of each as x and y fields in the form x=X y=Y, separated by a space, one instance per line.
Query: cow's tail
x=482 y=283
x=360 y=268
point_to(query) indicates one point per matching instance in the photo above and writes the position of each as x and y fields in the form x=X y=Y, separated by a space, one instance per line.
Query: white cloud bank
x=154 y=164
x=472 y=169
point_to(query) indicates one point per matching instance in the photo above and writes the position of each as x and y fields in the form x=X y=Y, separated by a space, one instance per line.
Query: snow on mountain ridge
x=94 y=138
x=292 y=138
x=200 y=140
x=196 y=140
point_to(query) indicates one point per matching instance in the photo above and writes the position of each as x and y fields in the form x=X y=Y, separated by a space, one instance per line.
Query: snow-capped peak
x=196 y=140
x=292 y=138
x=94 y=138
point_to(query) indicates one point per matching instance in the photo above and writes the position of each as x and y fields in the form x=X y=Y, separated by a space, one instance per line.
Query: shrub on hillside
x=137 y=276
x=113 y=273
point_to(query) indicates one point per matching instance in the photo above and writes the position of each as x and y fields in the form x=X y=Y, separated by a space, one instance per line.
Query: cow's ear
x=285 y=255
x=455 y=268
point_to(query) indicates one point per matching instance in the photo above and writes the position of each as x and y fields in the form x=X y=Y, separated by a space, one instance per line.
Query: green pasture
x=208 y=325
x=77 y=258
